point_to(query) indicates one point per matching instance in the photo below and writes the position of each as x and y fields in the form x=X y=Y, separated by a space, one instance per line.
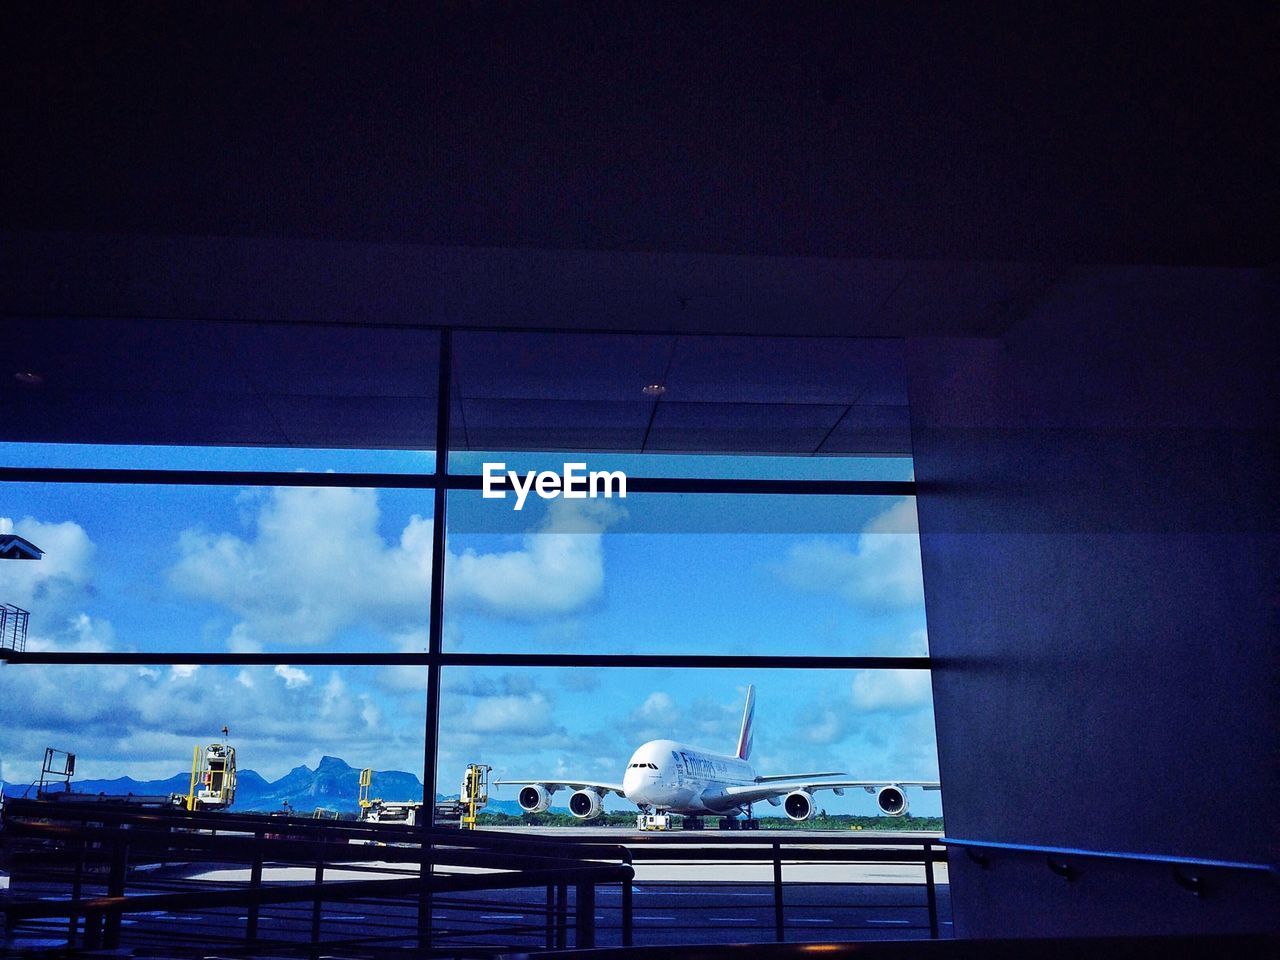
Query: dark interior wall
x=1097 y=516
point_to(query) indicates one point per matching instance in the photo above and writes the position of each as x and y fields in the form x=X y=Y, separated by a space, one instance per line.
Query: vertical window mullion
x=436 y=628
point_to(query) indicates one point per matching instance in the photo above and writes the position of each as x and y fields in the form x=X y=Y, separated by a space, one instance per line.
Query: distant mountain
x=333 y=783
x=120 y=786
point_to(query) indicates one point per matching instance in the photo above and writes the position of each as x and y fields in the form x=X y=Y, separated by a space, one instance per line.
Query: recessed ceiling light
x=654 y=390
x=29 y=378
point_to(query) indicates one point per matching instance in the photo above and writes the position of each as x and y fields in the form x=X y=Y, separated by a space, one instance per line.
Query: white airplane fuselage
x=667 y=776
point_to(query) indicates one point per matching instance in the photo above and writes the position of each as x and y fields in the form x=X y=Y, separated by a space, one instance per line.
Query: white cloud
x=881 y=571
x=659 y=715
x=56 y=588
x=917 y=644
x=658 y=707
x=826 y=726
x=316 y=565
x=292 y=676
x=525 y=715
x=144 y=722
x=557 y=570
x=891 y=690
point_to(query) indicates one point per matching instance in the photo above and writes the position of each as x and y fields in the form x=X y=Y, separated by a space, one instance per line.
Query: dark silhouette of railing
x=127 y=877
x=110 y=864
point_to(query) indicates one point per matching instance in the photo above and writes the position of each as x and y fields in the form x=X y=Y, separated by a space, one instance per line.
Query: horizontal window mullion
x=469 y=660
x=860 y=488
x=285 y=478
x=214 y=478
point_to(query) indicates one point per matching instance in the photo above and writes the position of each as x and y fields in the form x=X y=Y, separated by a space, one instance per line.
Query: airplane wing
x=800 y=776
x=551 y=786
x=777 y=787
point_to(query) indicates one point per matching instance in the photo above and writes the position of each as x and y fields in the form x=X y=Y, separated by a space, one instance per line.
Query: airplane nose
x=633 y=784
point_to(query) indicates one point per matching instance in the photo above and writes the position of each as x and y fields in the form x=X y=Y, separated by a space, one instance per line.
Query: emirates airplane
x=666 y=777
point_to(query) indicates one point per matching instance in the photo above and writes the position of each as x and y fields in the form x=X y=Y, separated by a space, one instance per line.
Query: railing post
x=562 y=916
x=778 y=922
x=316 y=905
x=255 y=885
x=551 y=916
x=627 y=909
x=931 y=891
x=115 y=888
x=426 y=898
x=93 y=930
x=585 y=926
x=77 y=885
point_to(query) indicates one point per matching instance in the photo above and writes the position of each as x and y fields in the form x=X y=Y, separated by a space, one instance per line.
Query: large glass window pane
x=301 y=733
x=220 y=569
x=685 y=574
x=558 y=725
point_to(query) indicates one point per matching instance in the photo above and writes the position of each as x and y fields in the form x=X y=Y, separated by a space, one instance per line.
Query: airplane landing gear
x=733 y=823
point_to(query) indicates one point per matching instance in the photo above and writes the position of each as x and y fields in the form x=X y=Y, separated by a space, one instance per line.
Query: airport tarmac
x=651 y=867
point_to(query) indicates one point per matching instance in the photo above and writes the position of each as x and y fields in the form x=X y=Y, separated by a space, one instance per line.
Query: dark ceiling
x=309 y=385
x=1077 y=133
x=793 y=169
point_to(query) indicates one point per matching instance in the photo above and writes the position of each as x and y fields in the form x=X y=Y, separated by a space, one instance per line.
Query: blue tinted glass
x=145 y=721
x=549 y=723
x=685 y=574
x=220 y=568
x=311 y=460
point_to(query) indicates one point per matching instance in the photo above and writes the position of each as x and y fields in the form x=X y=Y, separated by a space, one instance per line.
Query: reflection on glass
x=559 y=725
x=220 y=569
x=698 y=574
x=686 y=466
x=153 y=457
x=663 y=394
x=301 y=734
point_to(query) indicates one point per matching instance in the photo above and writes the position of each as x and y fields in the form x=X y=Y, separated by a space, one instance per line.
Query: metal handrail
x=92 y=834
x=570 y=868
x=1167 y=859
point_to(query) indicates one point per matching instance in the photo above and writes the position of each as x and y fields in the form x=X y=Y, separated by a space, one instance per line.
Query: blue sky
x=316 y=569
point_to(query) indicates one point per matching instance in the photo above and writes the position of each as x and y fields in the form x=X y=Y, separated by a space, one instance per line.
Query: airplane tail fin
x=748 y=731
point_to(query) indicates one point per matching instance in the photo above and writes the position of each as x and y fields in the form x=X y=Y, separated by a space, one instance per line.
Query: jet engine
x=585 y=804
x=799 y=805
x=892 y=800
x=534 y=798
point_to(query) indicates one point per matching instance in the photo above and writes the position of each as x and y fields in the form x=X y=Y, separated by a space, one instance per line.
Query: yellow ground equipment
x=213 y=777
x=474 y=794
x=377 y=810
x=471 y=799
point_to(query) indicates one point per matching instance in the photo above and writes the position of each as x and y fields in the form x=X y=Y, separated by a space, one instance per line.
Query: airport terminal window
x=221 y=568
x=686 y=573
x=573 y=723
x=144 y=721
x=190 y=584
